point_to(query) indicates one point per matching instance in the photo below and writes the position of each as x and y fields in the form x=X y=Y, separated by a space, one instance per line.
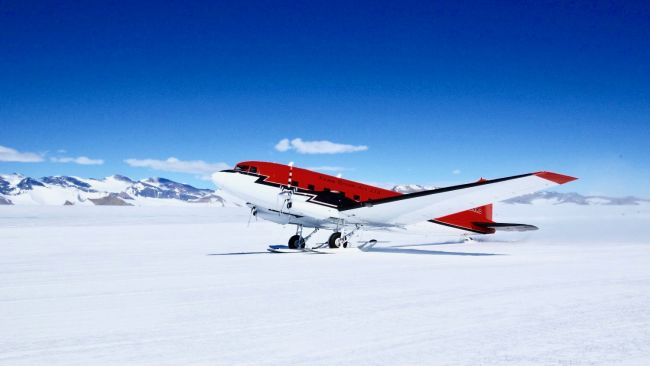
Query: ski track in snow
x=195 y=286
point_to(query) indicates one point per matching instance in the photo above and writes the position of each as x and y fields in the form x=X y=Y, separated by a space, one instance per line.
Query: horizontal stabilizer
x=503 y=226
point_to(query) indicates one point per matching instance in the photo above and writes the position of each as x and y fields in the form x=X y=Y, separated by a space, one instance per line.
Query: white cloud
x=83 y=160
x=317 y=147
x=456 y=171
x=178 y=166
x=205 y=177
x=9 y=154
x=283 y=145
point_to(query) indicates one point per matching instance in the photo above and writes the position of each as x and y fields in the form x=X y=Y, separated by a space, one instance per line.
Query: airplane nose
x=220 y=179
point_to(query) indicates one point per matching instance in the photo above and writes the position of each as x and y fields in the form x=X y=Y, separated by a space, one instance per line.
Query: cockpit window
x=241 y=168
x=253 y=169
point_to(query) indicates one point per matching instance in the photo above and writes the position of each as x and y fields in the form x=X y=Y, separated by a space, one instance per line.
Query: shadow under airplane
x=399 y=249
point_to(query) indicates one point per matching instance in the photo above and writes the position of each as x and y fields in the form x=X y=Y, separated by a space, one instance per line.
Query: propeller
x=253 y=213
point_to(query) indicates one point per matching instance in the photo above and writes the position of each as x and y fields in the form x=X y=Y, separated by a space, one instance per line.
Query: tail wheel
x=296 y=242
x=336 y=241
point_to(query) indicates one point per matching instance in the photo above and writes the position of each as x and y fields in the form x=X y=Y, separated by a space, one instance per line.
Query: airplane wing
x=422 y=206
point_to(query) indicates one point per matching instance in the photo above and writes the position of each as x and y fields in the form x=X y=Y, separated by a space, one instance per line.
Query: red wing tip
x=555 y=177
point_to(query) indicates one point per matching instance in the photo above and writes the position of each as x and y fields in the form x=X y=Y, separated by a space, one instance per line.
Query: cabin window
x=327 y=190
x=311 y=187
x=357 y=198
x=295 y=183
x=253 y=169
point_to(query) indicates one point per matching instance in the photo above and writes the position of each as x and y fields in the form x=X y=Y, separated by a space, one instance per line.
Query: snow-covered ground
x=193 y=285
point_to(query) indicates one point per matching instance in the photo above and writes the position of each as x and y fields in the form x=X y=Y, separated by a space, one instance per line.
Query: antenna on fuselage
x=287 y=192
x=290 y=173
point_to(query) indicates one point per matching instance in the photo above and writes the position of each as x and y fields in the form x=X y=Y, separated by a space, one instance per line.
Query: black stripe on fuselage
x=286 y=213
x=323 y=198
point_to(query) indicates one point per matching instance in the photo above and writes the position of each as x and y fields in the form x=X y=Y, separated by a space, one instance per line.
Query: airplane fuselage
x=289 y=195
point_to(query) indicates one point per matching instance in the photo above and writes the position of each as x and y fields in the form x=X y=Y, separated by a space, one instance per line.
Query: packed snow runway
x=195 y=286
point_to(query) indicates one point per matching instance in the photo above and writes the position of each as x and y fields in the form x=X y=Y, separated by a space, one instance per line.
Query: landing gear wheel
x=335 y=241
x=296 y=242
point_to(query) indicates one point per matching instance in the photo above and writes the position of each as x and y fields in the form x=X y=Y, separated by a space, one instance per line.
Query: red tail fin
x=465 y=219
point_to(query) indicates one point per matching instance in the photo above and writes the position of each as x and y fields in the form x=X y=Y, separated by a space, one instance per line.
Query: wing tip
x=555 y=177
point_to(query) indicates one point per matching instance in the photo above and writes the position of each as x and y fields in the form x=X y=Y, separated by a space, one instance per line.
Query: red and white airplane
x=289 y=195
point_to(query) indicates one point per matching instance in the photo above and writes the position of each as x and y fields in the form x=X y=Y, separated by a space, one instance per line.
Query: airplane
x=286 y=194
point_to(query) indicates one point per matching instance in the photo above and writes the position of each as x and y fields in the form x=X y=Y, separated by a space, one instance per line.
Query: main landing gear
x=298 y=241
x=341 y=238
x=337 y=240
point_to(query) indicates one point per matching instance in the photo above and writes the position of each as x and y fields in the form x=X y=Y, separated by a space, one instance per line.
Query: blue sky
x=438 y=93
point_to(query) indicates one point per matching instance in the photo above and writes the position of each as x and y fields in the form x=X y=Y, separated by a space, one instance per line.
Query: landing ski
x=286 y=250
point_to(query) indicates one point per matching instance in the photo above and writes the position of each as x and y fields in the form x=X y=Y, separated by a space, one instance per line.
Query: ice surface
x=104 y=285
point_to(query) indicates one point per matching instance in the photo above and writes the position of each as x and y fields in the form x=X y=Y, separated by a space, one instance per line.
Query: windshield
x=245 y=168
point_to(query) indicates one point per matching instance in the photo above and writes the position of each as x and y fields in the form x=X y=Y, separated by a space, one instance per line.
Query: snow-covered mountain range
x=576 y=198
x=546 y=196
x=410 y=188
x=115 y=190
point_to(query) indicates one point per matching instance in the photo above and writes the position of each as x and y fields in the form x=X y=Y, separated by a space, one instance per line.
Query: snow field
x=194 y=286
